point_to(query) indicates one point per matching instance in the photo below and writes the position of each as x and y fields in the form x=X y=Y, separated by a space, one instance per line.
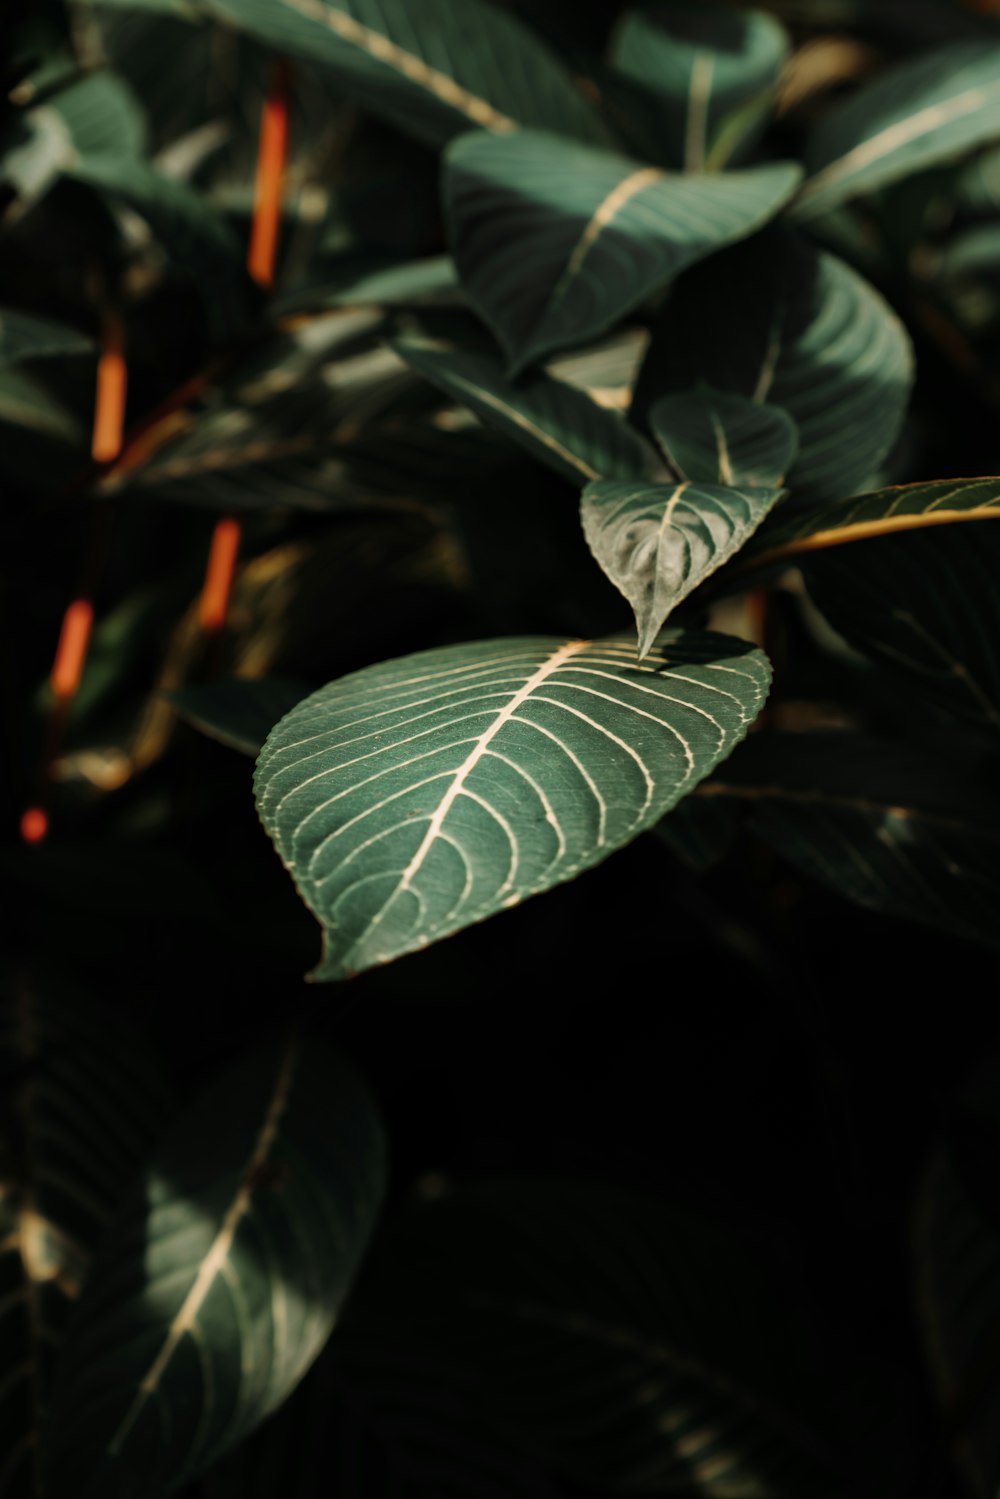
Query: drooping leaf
x=925 y=605
x=703 y=63
x=956 y=1261
x=431 y=67
x=24 y=336
x=884 y=824
x=415 y=797
x=221 y=1278
x=929 y=109
x=776 y=320
x=240 y=712
x=884 y=512
x=555 y=422
x=630 y=1346
x=713 y=437
x=657 y=542
x=81 y=1105
x=555 y=241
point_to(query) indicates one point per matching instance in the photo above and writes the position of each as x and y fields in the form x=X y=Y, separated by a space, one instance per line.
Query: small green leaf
x=431 y=67
x=556 y=423
x=657 y=542
x=882 y=823
x=94 y=116
x=703 y=63
x=238 y=712
x=82 y=1106
x=220 y=1280
x=929 y=109
x=555 y=242
x=415 y=797
x=24 y=336
x=712 y=437
x=776 y=320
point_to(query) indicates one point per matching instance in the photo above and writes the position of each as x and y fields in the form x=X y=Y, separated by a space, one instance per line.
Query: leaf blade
x=713 y=437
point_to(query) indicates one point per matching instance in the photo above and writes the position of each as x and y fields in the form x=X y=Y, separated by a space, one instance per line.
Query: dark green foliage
x=614 y=451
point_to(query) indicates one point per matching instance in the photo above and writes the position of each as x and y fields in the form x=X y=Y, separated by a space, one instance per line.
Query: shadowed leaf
x=712 y=437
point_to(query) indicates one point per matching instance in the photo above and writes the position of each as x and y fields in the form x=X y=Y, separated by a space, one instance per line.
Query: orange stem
x=112 y=385
x=213 y=609
x=71 y=652
x=272 y=155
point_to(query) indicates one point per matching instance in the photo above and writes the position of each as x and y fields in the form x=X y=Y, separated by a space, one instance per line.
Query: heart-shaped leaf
x=432 y=67
x=657 y=542
x=554 y=421
x=776 y=320
x=712 y=437
x=930 y=109
x=554 y=241
x=218 y=1283
x=703 y=65
x=82 y=1105
x=415 y=797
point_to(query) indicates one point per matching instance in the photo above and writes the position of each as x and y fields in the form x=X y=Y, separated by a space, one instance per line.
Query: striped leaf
x=712 y=437
x=24 y=336
x=81 y=1107
x=555 y=242
x=956 y=1261
x=555 y=422
x=220 y=1279
x=704 y=65
x=929 y=109
x=884 y=512
x=431 y=67
x=629 y=1346
x=925 y=605
x=657 y=542
x=776 y=320
x=884 y=824
x=415 y=797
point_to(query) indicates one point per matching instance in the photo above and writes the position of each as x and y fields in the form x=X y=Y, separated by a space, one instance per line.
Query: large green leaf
x=432 y=67
x=415 y=797
x=956 y=1255
x=82 y=1105
x=555 y=241
x=555 y=422
x=809 y=336
x=657 y=542
x=628 y=1344
x=901 y=507
x=924 y=605
x=220 y=1280
x=929 y=109
x=703 y=63
x=884 y=824
x=776 y=320
x=712 y=437
x=25 y=336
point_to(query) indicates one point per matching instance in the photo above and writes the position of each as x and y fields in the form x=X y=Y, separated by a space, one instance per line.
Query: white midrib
x=217 y=1255
x=554 y=662
x=604 y=214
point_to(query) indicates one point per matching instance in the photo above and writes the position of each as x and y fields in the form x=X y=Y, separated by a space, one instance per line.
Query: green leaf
x=220 y=1280
x=238 y=712
x=24 y=336
x=776 y=320
x=399 y=284
x=418 y=796
x=884 y=512
x=556 y=423
x=929 y=109
x=657 y=542
x=925 y=605
x=703 y=63
x=712 y=437
x=554 y=241
x=432 y=67
x=625 y=1343
x=882 y=823
x=700 y=831
x=956 y=1261
x=82 y=1105
x=96 y=116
